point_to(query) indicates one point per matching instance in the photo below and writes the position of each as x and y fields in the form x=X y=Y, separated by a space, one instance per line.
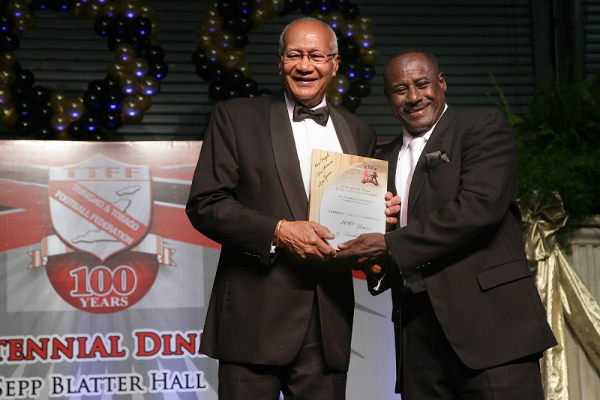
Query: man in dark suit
x=469 y=322
x=280 y=312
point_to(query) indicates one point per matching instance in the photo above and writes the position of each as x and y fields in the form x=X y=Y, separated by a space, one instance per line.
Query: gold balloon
x=370 y=55
x=77 y=9
x=226 y=40
x=365 y=40
x=351 y=28
x=17 y=8
x=261 y=15
x=125 y=53
x=58 y=102
x=8 y=115
x=130 y=10
x=149 y=86
x=5 y=95
x=131 y=110
x=59 y=122
x=245 y=70
x=205 y=40
x=336 y=20
x=278 y=6
x=213 y=5
x=211 y=25
x=7 y=76
x=139 y=68
x=320 y=15
x=117 y=69
x=74 y=109
x=112 y=9
x=156 y=29
x=93 y=10
x=146 y=11
x=335 y=99
x=339 y=84
x=8 y=59
x=128 y=84
x=145 y=101
x=366 y=22
x=233 y=59
x=214 y=54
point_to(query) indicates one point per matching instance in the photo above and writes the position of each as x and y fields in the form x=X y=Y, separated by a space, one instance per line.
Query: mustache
x=415 y=106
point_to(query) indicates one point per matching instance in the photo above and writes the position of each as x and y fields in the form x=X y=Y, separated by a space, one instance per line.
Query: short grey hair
x=333 y=44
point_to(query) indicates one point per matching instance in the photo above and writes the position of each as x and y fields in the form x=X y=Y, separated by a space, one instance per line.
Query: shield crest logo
x=100 y=206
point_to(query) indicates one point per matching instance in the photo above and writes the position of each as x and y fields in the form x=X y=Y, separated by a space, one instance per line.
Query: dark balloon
x=24 y=78
x=141 y=26
x=218 y=74
x=96 y=87
x=139 y=42
x=111 y=120
x=43 y=114
x=306 y=6
x=351 y=11
x=26 y=109
x=6 y=22
x=238 y=24
x=351 y=70
x=25 y=127
x=93 y=101
x=244 y=7
x=217 y=91
x=235 y=77
x=44 y=132
x=40 y=95
x=9 y=41
x=90 y=122
x=290 y=6
x=61 y=5
x=111 y=86
x=241 y=40
x=367 y=71
x=102 y=26
x=77 y=130
x=351 y=51
x=120 y=27
x=205 y=70
x=198 y=57
x=40 y=4
x=227 y=8
x=159 y=70
x=249 y=87
x=360 y=88
x=322 y=5
x=232 y=93
x=152 y=54
x=113 y=42
x=20 y=92
x=112 y=102
x=350 y=102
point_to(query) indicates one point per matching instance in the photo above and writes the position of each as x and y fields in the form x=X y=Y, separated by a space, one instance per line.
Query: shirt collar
x=407 y=137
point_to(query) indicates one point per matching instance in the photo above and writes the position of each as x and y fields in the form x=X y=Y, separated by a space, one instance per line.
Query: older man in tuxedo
x=281 y=309
x=468 y=320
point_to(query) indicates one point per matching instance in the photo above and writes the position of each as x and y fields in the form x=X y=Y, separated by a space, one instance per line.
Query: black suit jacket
x=463 y=242
x=247 y=178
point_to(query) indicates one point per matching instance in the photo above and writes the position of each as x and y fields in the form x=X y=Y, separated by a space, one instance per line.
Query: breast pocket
x=502 y=274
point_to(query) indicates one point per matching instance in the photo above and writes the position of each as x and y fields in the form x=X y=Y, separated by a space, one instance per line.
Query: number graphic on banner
x=101 y=280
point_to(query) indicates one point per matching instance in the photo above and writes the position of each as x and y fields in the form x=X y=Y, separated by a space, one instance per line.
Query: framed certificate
x=347 y=194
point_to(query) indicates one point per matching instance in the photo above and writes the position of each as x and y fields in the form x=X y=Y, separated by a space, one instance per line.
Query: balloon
x=226 y=8
x=211 y=25
x=7 y=76
x=351 y=102
x=219 y=74
x=241 y=40
x=9 y=41
x=149 y=86
x=25 y=108
x=159 y=70
x=261 y=15
x=367 y=71
x=231 y=93
x=306 y=6
x=216 y=91
x=111 y=120
x=320 y=15
x=371 y=55
x=5 y=95
x=351 y=12
x=351 y=70
x=111 y=85
x=102 y=26
x=291 y=5
x=140 y=42
x=43 y=113
x=278 y=7
x=74 y=109
x=113 y=42
x=145 y=101
x=8 y=59
x=58 y=102
x=205 y=41
x=120 y=27
x=350 y=29
x=117 y=69
x=365 y=40
x=24 y=127
x=249 y=87
x=92 y=101
x=204 y=69
x=335 y=99
x=198 y=57
x=125 y=53
x=366 y=23
x=59 y=123
x=214 y=54
x=132 y=110
x=245 y=70
x=128 y=84
x=140 y=68
x=235 y=77
x=226 y=40
x=142 y=26
x=92 y=10
x=233 y=59
x=112 y=9
x=40 y=95
x=155 y=29
x=44 y=132
x=90 y=122
x=6 y=22
x=77 y=130
x=130 y=11
x=24 y=78
x=152 y=54
x=360 y=88
x=336 y=20
x=349 y=51
x=146 y=11
x=340 y=84
x=17 y=8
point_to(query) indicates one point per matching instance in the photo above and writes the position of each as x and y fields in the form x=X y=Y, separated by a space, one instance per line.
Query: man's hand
x=366 y=250
x=392 y=208
x=306 y=240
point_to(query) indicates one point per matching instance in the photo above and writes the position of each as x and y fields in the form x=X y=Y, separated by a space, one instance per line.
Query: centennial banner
x=104 y=283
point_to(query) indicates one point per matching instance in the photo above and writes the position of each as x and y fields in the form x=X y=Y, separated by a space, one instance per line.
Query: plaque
x=347 y=194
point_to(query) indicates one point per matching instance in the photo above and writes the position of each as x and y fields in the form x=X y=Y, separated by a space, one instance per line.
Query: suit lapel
x=286 y=158
x=433 y=144
x=392 y=158
x=343 y=131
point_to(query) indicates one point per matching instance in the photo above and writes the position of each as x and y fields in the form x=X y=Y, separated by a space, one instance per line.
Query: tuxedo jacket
x=463 y=242
x=247 y=178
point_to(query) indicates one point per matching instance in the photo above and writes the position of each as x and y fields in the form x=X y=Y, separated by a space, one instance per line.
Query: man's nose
x=305 y=64
x=414 y=95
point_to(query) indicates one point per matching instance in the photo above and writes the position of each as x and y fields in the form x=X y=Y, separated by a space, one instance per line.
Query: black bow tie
x=319 y=115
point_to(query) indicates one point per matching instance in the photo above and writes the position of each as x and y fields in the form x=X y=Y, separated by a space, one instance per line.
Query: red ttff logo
x=370 y=177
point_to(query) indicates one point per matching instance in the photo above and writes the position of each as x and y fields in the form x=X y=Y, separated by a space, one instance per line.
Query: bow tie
x=319 y=115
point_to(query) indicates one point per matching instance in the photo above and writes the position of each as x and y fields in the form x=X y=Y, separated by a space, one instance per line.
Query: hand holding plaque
x=347 y=194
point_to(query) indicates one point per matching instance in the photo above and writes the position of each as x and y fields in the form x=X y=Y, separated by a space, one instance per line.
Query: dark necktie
x=319 y=115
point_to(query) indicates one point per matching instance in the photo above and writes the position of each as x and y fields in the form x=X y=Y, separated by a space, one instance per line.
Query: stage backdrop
x=104 y=283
